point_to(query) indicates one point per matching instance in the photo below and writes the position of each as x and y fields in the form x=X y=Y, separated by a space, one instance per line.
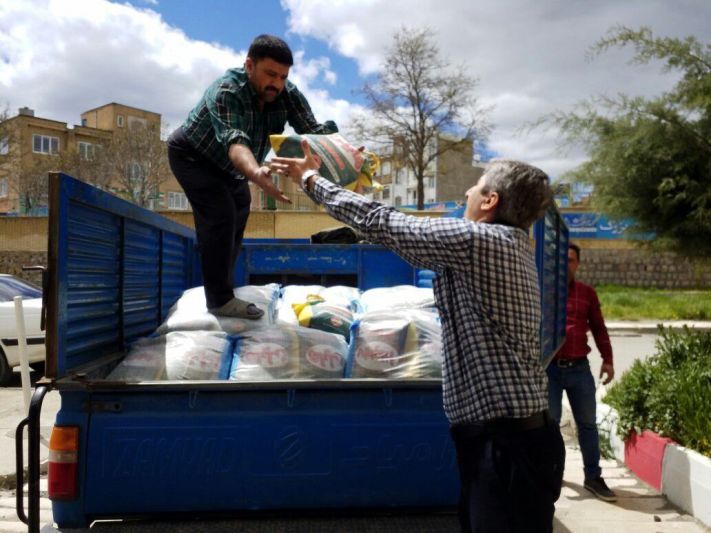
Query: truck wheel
x=5 y=370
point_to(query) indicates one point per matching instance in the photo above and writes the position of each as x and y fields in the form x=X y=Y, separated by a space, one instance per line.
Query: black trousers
x=220 y=204
x=510 y=479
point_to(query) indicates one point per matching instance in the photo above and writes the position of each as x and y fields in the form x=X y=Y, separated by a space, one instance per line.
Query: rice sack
x=265 y=354
x=341 y=162
x=180 y=355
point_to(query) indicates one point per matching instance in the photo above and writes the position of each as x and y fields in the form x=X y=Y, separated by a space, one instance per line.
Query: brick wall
x=641 y=268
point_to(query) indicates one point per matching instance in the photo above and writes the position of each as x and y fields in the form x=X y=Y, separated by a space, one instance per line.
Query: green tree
x=650 y=158
x=416 y=99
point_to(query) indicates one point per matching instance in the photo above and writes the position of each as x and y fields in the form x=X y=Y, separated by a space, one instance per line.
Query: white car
x=32 y=305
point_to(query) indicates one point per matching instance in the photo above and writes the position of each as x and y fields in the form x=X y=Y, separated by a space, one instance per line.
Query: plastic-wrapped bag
x=322 y=355
x=265 y=354
x=285 y=352
x=427 y=351
x=340 y=296
x=290 y=295
x=341 y=162
x=318 y=314
x=398 y=297
x=400 y=344
x=377 y=346
x=190 y=312
x=180 y=355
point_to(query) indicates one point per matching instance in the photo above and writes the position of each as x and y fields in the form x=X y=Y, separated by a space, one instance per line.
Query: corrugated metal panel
x=176 y=262
x=93 y=258
x=551 y=259
x=115 y=269
x=141 y=280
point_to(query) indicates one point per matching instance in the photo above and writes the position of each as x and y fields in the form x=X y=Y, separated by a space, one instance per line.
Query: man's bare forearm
x=243 y=160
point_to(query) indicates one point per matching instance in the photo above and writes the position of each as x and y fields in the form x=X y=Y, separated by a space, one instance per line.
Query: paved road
x=627 y=346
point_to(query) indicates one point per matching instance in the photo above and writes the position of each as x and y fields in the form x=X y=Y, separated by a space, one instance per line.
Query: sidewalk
x=639 y=508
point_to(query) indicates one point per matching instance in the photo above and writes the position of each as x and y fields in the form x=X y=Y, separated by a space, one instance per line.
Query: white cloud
x=93 y=52
x=62 y=57
x=529 y=56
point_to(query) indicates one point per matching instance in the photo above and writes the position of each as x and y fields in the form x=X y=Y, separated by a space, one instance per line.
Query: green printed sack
x=341 y=162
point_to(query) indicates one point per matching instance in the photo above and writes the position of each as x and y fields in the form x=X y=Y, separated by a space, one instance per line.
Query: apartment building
x=29 y=142
x=447 y=177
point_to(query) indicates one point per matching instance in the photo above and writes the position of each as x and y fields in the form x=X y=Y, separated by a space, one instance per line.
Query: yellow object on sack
x=341 y=162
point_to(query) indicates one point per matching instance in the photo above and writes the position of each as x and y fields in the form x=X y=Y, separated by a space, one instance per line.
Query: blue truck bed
x=158 y=448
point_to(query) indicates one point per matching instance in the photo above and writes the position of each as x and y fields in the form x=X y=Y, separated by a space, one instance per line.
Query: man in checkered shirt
x=510 y=451
x=221 y=146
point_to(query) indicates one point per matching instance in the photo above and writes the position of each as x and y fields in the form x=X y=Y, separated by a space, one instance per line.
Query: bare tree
x=31 y=184
x=91 y=166
x=26 y=175
x=139 y=162
x=420 y=106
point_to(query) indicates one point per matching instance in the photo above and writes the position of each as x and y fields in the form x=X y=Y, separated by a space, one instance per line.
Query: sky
x=64 y=57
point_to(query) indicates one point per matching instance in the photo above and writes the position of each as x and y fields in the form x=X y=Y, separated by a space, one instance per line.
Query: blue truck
x=200 y=448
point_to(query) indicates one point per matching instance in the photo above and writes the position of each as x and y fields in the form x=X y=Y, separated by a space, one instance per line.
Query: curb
x=682 y=475
x=644 y=455
x=653 y=327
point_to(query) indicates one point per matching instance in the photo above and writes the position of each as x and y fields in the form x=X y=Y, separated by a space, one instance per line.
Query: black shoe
x=600 y=489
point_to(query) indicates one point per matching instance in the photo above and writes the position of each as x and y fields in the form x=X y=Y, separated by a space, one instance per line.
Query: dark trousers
x=510 y=479
x=578 y=382
x=220 y=204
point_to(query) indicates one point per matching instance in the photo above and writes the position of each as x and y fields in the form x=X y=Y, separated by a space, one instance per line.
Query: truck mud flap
x=32 y=518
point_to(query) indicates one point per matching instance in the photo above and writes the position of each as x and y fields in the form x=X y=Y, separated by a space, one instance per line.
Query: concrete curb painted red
x=644 y=455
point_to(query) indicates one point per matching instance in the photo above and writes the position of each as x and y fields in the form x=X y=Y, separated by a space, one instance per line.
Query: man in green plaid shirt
x=222 y=145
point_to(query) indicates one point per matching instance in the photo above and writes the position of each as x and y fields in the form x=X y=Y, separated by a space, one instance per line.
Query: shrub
x=669 y=393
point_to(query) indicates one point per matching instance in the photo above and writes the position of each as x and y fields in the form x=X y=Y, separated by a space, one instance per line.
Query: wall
x=23 y=241
x=622 y=263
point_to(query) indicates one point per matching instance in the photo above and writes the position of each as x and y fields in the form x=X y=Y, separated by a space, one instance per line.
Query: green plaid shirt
x=229 y=113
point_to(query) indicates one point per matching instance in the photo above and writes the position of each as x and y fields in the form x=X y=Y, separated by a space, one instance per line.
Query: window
x=386 y=193
x=399 y=176
x=42 y=144
x=119 y=121
x=135 y=172
x=3 y=188
x=135 y=121
x=87 y=151
x=430 y=183
x=398 y=201
x=177 y=200
x=4 y=146
x=386 y=168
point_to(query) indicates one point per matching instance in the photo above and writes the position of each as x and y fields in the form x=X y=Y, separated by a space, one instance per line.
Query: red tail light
x=62 y=471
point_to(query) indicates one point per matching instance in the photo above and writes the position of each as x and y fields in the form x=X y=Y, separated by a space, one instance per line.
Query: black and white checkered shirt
x=488 y=298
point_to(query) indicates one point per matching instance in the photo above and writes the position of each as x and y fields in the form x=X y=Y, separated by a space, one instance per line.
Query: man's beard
x=269 y=94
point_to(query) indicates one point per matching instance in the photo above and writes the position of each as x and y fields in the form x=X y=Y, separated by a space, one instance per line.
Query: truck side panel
x=115 y=269
x=201 y=451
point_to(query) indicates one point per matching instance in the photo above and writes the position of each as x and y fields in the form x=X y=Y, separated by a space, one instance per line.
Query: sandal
x=238 y=309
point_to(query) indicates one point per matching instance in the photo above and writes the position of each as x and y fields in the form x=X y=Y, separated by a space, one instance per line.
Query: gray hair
x=524 y=192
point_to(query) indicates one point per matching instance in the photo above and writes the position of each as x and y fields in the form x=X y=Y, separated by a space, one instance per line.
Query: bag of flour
x=265 y=354
x=190 y=312
x=341 y=162
x=179 y=355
